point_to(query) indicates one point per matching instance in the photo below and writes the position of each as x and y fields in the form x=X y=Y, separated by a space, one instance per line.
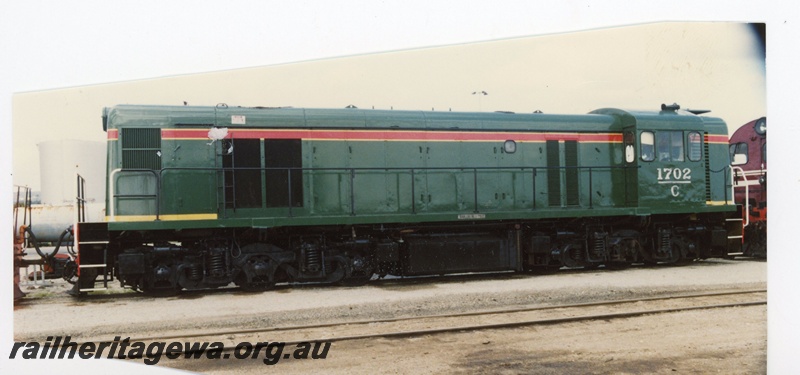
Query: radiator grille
x=141 y=148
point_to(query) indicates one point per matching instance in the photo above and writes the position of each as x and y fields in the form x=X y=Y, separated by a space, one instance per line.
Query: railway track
x=405 y=327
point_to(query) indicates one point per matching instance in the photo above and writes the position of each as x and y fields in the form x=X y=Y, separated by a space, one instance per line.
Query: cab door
x=672 y=169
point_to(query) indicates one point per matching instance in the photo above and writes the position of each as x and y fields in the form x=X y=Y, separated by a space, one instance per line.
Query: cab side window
x=695 y=151
x=647 y=146
x=739 y=153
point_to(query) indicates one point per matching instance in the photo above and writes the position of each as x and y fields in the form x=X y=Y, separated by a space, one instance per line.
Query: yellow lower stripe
x=719 y=203
x=173 y=217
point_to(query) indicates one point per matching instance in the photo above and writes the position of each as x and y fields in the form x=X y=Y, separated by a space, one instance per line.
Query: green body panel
x=385 y=179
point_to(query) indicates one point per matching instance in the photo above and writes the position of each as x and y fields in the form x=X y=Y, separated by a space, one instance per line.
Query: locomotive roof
x=746 y=133
x=606 y=119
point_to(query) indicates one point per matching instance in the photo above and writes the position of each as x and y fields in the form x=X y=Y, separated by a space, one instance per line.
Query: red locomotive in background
x=748 y=150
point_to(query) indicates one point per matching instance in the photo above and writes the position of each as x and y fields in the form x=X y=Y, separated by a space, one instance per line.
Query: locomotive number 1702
x=674 y=175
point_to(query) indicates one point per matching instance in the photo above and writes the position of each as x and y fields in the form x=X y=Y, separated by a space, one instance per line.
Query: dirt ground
x=729 y=340
x=697 y=342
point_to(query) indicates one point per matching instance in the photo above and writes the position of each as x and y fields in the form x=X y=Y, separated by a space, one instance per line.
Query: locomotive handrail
x=352 y=171
x=746 y=192
x=80 y=199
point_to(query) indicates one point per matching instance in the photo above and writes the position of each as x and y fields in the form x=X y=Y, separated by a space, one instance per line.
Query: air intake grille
x=141 y=148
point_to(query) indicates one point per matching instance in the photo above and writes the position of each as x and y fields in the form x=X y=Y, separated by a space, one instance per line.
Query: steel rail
x=479 y=313
x=550 y=321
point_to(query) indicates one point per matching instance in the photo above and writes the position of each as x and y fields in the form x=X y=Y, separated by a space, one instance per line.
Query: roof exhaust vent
x=671 y=107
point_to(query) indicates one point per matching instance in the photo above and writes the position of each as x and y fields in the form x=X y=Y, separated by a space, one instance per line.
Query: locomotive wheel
x=679 y=259
x=675 y=257
x=253 y=286
x=161 y=282
x=361 y=272
x=261 y=275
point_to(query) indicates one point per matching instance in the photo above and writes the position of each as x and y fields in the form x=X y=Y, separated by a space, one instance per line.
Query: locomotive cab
x=677 y=164
x=674 y=159
x=748 y=157
x=672 y=167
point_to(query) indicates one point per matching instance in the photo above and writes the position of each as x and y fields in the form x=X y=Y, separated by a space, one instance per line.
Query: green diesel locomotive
x=202 y=197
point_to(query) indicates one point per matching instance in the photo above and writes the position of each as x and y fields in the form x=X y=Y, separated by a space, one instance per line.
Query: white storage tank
x=49 y=221
x=61 y=160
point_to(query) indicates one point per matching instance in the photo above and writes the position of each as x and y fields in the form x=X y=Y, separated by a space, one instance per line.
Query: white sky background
x=56 y=44
x=701 y=65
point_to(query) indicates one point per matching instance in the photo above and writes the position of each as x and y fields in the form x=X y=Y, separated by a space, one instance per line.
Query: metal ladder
x=223 y=189
x=736 y=225
x=90 y=237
